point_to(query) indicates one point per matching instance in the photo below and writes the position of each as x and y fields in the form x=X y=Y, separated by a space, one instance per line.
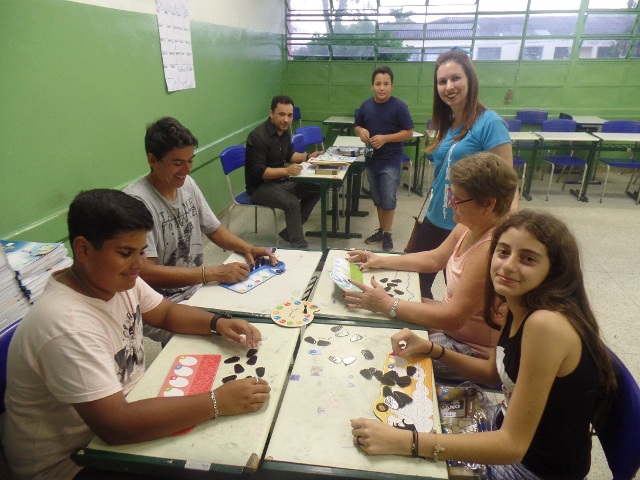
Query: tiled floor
x=608 y=234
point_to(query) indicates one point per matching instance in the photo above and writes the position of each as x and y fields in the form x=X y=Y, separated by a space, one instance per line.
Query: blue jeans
x=384 y=177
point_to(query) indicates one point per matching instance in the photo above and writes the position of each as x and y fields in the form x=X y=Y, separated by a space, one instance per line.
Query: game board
x=260 y=273
x=294 y=313
x=190 y=375
x=343 y=271
x=406 y=393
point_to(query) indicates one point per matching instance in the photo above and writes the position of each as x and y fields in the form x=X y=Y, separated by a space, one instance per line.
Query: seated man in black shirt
x=269 y=149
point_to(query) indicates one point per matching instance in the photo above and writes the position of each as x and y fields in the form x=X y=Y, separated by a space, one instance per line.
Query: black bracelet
x=439 y=356
x=214 y=321
x=414 y=445
x=431 y=349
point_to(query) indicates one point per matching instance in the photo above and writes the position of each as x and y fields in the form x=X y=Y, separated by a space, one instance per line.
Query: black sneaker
x=375 y=238
x=387 y=243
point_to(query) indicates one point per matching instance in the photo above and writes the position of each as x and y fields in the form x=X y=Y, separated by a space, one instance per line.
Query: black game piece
x=232 y=360
x=238 y=368
x=252 y=352
x=229 y=378
x=411 y=370
x=260 y=372
x=252 y=360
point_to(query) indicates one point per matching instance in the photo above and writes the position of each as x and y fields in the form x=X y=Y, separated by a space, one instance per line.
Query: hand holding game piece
x=406 y=342
x=374 y=298
x=376 y=438
x=366 y=259
x=242 y=396
x=228 y=272
x=257 y=253
x=239 y=331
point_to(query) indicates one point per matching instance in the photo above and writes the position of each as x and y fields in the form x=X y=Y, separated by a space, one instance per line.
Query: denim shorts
x=384 y=177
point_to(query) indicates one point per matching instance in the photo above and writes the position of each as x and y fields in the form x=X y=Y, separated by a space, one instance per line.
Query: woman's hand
x=374 y=299
x=377 y=438
x=406 y=342
x=239 y=331
x=365 y=258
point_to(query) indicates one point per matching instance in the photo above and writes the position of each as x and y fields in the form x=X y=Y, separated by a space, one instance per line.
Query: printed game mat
x=260 y=273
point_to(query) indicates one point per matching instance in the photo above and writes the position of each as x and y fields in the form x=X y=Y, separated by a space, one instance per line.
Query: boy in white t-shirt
x=79 y=350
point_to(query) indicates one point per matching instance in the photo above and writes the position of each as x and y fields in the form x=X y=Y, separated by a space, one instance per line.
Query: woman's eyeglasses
x=454 y=201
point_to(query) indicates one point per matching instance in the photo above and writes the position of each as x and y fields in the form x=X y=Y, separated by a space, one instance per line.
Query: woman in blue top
x=463 y=126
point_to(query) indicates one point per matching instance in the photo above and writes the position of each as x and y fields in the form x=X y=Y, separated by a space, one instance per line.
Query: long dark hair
x=562 y=291
x=441 y=119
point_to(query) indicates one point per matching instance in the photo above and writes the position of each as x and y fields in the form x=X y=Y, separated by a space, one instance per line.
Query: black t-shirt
x=561 y=446
x=265 y=149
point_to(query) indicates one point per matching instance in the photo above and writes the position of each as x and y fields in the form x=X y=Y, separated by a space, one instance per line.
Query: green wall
x=604 y=88
x=79 y=83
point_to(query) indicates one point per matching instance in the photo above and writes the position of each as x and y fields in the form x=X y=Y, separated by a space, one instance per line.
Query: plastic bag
x=465 y=408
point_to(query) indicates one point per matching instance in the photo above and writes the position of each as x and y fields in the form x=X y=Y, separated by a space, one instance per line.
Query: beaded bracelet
x=204 y=277
x=439 y=356
x=216 y=413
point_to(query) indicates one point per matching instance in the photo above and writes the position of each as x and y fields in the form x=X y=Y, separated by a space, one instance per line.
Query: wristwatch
x=214 y=321
x=392 y=312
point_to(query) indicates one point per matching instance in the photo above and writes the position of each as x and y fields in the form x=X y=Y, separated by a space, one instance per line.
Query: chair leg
x=256 y=220
x=553 y=167
x=524 y=172
x=604 y=185
x=275 y=224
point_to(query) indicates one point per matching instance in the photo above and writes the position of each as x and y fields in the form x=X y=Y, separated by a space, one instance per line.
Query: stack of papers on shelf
x=33 y=263
x=13 y=302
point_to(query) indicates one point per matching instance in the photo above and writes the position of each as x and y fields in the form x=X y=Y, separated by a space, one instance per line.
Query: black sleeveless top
x=561 y=446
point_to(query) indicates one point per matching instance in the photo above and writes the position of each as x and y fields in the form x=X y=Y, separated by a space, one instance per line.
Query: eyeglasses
x=454 y=201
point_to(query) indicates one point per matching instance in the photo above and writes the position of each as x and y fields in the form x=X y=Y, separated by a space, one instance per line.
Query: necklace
x=82 y=284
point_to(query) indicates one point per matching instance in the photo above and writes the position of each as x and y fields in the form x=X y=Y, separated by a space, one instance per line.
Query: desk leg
x=354 y=177
x=589 y=171
x=531 y=168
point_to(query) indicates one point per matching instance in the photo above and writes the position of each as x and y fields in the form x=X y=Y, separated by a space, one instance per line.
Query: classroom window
x=491 y=30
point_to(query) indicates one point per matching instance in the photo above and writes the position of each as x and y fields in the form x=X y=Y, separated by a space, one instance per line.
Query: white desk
x=588 y=121
x=328 y=296
x=291 y=285
x=313 y=432
x=224 y=445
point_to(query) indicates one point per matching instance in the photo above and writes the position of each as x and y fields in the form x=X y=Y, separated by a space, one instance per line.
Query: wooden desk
x=571 y=141
x=328 y=295
x=300 y=267
x=342 y=123
x=313 y=435
x=620 y=142
x=588 y=123
x=526 y=141
x=230 y=445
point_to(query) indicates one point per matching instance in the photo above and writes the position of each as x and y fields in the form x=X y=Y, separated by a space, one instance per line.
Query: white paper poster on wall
x=175 y=42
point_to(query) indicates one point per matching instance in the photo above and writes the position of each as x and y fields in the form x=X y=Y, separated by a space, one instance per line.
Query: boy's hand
x=239 y=331
x=242 y=396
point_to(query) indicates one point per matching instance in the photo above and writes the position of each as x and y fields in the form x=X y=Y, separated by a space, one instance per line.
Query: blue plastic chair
x=5 y=339
x=312 y=136
x=298 y=143
x=297 y=117
x=233 y=158
x=515 y=125
x=619 y=434
x=532 y=116
x=621 y=126
x=564 y=161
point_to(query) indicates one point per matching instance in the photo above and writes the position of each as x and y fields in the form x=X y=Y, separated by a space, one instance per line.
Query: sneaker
x=375 y=238
x=387 y=243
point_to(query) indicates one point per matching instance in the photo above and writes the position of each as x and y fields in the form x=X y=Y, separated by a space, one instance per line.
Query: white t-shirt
x=68 y=349
x=176 y=236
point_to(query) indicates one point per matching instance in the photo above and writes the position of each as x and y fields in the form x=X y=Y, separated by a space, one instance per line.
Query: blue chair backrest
x=565 y=116
x=296 y=114
x=619 y=435
x=5 y=338
x=298 y=143
x=232 y=158
x=532 y=116
x=559 y=125
x=312 y=134
x=513 y=124
x=621 y=126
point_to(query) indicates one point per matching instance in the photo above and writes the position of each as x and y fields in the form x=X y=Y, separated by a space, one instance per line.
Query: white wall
x=260 y=15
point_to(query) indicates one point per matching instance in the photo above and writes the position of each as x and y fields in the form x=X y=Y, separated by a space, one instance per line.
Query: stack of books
x=13 y=301
x=33 y=263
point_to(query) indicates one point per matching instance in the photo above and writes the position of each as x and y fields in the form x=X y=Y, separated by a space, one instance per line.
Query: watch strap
x=214 y=321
